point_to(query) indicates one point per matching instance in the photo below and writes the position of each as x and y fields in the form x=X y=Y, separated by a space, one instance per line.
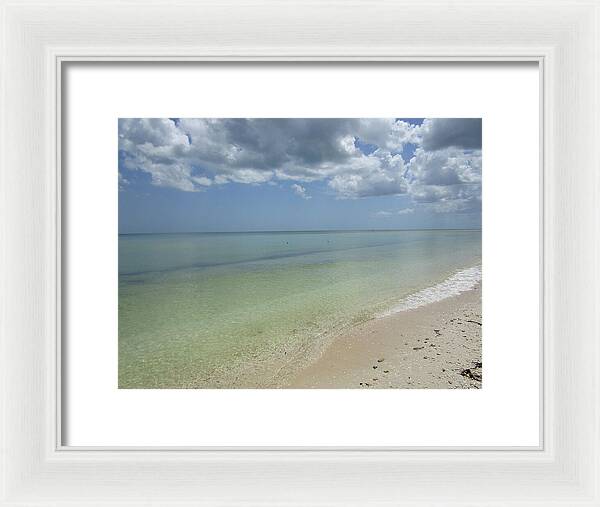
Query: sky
x=285 y=174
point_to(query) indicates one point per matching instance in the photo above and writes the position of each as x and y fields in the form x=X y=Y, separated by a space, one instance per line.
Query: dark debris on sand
x=474 y=373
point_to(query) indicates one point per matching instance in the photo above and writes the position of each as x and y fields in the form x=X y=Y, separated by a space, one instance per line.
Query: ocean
x=246 y=310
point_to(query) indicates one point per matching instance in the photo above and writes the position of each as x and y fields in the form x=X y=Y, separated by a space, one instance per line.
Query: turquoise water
x=247 y=309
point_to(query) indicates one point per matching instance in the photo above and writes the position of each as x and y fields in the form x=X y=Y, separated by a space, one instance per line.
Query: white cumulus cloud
x=300 y=191
x=354 y=158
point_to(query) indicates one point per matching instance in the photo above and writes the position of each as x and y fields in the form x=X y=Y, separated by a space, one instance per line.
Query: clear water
x=210 y=310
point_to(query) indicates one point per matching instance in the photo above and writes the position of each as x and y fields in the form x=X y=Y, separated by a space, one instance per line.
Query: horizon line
x=301 y=230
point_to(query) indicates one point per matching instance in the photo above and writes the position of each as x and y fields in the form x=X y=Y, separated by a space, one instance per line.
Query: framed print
x=287 y=253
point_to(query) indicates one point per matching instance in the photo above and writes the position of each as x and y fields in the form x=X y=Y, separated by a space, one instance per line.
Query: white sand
x=425 y=347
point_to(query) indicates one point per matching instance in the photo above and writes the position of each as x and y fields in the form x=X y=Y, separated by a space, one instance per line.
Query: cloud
x=187 y=153
x=387 y=134
x=442 y=133
x=446 y=167
x=385 y=213
x=354 y=158
x=446 y=181
x=299 y=190
x=456 y=205
x=445 y=199
x=381 y=173
x=123 y=182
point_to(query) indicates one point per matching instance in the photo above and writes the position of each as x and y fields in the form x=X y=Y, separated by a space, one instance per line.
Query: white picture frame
x=39 y=37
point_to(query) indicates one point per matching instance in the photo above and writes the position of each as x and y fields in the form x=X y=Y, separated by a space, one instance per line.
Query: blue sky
x=183 y=175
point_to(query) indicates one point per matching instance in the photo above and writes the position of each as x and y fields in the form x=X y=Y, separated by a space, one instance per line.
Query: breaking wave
x=460 y=281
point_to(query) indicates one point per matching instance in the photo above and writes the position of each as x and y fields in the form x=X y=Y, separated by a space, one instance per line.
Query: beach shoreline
x=434 y=346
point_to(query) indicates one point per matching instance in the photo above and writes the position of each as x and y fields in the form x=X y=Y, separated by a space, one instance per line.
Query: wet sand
x=437 y=346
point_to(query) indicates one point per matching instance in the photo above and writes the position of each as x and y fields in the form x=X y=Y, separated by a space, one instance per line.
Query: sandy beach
x=437 y=346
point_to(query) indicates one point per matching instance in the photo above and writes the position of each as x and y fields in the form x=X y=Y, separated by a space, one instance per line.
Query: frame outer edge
x=30 y=463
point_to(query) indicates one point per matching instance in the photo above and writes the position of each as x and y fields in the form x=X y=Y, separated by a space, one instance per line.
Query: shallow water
x=247 y=309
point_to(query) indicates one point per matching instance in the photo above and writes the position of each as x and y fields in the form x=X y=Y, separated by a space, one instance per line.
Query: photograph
x=299 y=253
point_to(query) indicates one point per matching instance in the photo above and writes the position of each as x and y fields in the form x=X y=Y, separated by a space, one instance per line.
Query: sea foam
x=460 y=281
